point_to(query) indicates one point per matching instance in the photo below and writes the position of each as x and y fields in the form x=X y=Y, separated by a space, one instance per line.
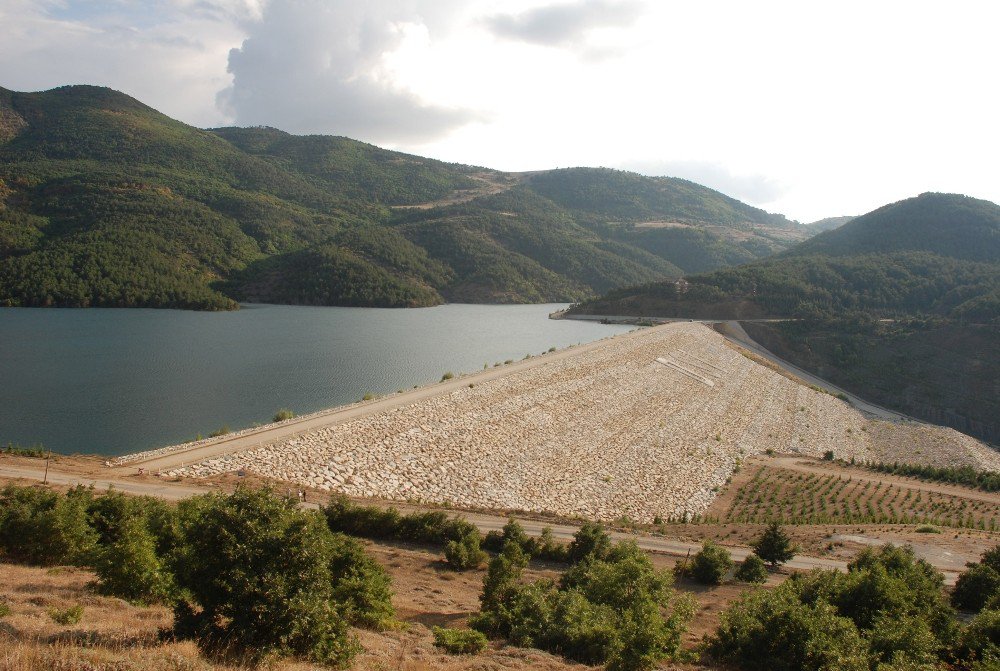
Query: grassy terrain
x=106 y=202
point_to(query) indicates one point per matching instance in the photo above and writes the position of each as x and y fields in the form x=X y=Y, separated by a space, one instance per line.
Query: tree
x=711 y=564
x=503 y=577
x=772 y=630
x=752 y=570
x=465 y=553
x=129 y=568
x=774 y=546
x=975 y=587
x=264 y=577
x=39 y=526
x=589 y=541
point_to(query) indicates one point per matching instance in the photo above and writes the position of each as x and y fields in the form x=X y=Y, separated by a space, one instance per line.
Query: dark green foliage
x=889 y=609
x=464 y=554
x=978 y=586
x=33 y=452
x=106 y=202
x=459 y=641
x=262 y=576
x=544 y=547
x=774 y=546
x=4 y=609
x=752 y=570
x=772 y=630
x=135 y=535
x=988 y=481
x=591 y=541
x=361 y=587
x=981 y=639
x=609 y=610
x=947 y=224
x=711 y=564
x=39 y=526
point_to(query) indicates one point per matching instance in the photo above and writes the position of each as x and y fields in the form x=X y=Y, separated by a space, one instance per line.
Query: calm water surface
x=118 y=381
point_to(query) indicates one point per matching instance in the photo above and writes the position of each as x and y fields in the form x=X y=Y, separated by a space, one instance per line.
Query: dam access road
x=647 y=424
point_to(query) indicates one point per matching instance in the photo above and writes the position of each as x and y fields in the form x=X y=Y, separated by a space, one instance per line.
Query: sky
x=809 y=109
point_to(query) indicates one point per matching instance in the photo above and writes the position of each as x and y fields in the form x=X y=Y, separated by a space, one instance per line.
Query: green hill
x=107 y=202
x=828 y=224
x=901 y=305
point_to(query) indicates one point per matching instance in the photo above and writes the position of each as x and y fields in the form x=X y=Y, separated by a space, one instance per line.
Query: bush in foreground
x=979 y=586
x=887 y=612
x=459 y=641
x=614 y=609
x=752 y=570
x=711 y=564
x=263 y=577
x=39 y=526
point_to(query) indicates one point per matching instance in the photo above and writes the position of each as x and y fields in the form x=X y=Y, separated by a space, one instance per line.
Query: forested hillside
x=901 y=305
x=106 y=202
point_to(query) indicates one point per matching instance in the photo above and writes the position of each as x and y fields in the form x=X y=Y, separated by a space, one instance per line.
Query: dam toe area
x=645 y=424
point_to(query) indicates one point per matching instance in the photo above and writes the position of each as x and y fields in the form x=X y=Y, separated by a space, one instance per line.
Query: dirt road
x=175 y=491
x=803 y=465
x=735 y=333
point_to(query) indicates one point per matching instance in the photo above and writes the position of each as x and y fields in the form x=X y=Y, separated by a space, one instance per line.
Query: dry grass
x=116 y=636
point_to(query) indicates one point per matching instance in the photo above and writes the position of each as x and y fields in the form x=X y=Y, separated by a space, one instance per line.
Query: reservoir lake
x=114 y=381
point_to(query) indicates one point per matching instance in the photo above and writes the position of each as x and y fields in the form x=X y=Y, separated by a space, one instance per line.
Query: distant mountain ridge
x=105 y=201
x=901 y=305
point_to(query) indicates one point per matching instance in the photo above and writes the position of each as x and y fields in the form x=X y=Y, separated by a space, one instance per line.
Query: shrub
x=465 y=553
x=752 y=570
x=927 y=529
x=67 y=616
x=361 y=586
x=772 y=630
x=975 y=587
x=134 y=536
x=221 y=431
x=459 y=641
x=283 y=415
x=828 y=455
x=981 y=639
x=129 y=568
x=590 y=541
x=39 y=526
x=447 y=376
x=711 y=564
x=547 y=547
x=617 y=610
x=4 y=609
x=774 y=546
x=262 y=577
x=500 y=587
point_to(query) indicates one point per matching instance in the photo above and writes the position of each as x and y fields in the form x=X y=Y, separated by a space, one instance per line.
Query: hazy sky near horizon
x=810 y=109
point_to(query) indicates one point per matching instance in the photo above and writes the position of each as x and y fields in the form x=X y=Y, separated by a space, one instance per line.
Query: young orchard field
x=790 y=497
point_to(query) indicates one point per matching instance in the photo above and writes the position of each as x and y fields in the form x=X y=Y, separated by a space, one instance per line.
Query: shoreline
x=182 y=454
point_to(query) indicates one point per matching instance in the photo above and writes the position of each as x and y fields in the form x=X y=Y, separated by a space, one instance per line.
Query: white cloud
x=809 y=109
x=170 y=55
x=319 y=67
x=564 y=24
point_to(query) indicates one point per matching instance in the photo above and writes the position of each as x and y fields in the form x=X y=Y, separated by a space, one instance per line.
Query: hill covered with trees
x=107 y=202
x=901 y=305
